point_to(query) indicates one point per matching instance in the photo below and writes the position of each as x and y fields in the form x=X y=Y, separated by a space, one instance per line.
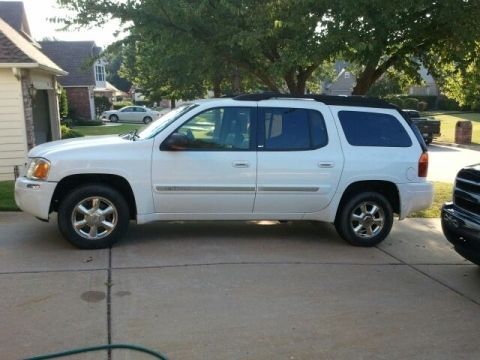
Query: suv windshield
x=155 y=127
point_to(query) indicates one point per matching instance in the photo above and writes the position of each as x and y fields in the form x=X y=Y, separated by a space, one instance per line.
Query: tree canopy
x=191 y=45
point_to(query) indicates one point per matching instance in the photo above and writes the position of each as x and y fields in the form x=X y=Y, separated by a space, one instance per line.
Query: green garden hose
x=99 y=348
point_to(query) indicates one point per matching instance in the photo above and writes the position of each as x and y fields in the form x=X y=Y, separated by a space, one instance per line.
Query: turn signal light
x=41 y=170
x=38 y=169
x=423 y=165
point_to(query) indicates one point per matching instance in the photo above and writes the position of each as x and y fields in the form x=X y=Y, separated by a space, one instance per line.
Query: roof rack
x=326 y=99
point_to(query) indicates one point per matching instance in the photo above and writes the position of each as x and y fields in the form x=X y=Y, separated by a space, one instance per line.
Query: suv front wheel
x=93 y=216
x=365 y=219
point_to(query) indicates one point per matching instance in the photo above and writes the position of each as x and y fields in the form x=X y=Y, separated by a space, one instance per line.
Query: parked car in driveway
x=131 y=114
x=428 y=126
x=461 y=218
x=353 y=162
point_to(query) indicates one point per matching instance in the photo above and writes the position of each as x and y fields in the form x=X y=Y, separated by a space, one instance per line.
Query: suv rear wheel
x=93 y=216
x=365 y=219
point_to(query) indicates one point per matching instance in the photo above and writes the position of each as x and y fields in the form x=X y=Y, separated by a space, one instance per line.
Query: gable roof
x=74 y=57
x=17 y=51
x=13 y=13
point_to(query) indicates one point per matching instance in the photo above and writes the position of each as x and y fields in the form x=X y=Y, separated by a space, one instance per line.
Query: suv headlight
x=38 y=169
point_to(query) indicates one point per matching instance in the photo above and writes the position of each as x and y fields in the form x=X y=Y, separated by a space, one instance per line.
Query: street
x=446 y=161
x=239 y=290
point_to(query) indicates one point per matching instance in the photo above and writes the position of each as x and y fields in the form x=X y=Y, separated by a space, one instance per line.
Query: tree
x=459 y=80
x=114 y=63
x=380 y=35
x=282 y=43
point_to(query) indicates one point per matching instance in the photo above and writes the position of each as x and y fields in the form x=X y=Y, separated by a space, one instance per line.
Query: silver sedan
x=132 y=114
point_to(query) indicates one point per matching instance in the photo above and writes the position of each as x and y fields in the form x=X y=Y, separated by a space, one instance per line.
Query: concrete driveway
x=446 y=161
x=239 y=290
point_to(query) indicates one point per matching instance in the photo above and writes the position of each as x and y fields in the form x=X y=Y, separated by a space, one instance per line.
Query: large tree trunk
x=362 y=86
x=172 y=104
x=297 y=79
x=237 y=81
x=372 y=73
x=217 y=91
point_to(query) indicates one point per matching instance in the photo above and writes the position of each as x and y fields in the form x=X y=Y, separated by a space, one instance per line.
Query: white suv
x=351 y=161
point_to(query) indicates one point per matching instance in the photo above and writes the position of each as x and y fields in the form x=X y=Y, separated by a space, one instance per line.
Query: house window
x=347 y=75
x=99 y=73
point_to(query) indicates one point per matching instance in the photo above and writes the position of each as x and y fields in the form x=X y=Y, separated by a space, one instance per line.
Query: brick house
x=29 y=112
x=86 y=76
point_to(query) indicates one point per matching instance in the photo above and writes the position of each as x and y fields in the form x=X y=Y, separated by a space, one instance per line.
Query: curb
x=462 y=146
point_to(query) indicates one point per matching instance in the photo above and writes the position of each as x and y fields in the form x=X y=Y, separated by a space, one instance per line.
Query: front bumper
x=34 y=197
x=462 y=229
x=415 y=197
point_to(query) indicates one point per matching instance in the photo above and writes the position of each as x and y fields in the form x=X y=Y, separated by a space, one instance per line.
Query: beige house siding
x=13 y=143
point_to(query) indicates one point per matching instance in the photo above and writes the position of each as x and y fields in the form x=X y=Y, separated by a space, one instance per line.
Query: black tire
x=113 y=118
x=83 y=193
x=344 y=223
x=147 y=120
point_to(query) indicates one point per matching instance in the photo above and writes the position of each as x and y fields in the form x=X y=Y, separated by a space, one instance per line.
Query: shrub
x=78 y=122
x=431 y=100
x=448 y=104
x=410 y=103
x=395 y=100
x=63 y=104
x=102 y=103
x=120 y=104
x=68 y=133
x=422 y=106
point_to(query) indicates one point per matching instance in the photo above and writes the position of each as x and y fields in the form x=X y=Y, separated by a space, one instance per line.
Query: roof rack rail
x=353 y=100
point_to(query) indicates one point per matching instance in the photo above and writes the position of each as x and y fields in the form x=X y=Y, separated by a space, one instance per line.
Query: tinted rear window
x=292 y=129
x=373 y=129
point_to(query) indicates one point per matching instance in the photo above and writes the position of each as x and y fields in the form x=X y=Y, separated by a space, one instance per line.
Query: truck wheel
x=365 y=219
x=93 y=216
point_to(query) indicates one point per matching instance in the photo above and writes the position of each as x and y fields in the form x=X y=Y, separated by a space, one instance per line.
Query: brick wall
x=79 y=102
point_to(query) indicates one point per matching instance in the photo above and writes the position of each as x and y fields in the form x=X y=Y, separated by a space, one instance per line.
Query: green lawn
x=443 y=193
x=449 y=120
x=107 y=130
x=7 y=201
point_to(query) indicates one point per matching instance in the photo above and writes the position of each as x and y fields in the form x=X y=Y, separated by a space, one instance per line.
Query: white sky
x=38 y=13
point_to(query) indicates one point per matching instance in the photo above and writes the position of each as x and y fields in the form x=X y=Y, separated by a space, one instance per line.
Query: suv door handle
x=326 y=164
x=241 y=164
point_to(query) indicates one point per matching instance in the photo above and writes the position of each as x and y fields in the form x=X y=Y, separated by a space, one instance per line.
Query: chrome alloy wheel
x=367 y=220
x=94 y=218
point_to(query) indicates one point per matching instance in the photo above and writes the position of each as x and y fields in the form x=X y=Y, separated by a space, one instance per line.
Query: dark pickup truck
x=429 y=127
x=461 y=218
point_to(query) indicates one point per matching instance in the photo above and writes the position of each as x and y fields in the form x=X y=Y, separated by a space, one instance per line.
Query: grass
x=443 y=193
x=7 y=201
x=449 y=121
x=107 y=130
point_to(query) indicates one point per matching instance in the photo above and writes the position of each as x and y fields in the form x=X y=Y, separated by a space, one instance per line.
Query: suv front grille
x=466 y=194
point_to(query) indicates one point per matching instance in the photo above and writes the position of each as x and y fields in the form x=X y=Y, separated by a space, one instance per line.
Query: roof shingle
x=10 y=53
x=13 y=13
x=74 y=57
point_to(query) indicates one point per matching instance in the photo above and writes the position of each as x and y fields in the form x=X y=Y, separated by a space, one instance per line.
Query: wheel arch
x=386 y=188
x=117 y=182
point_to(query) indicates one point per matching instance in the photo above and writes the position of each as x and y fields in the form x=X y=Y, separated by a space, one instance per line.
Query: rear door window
x=291 y=129
x=373 y=129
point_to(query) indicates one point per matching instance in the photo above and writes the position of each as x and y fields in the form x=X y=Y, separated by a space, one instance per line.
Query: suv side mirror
x=175 y=142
